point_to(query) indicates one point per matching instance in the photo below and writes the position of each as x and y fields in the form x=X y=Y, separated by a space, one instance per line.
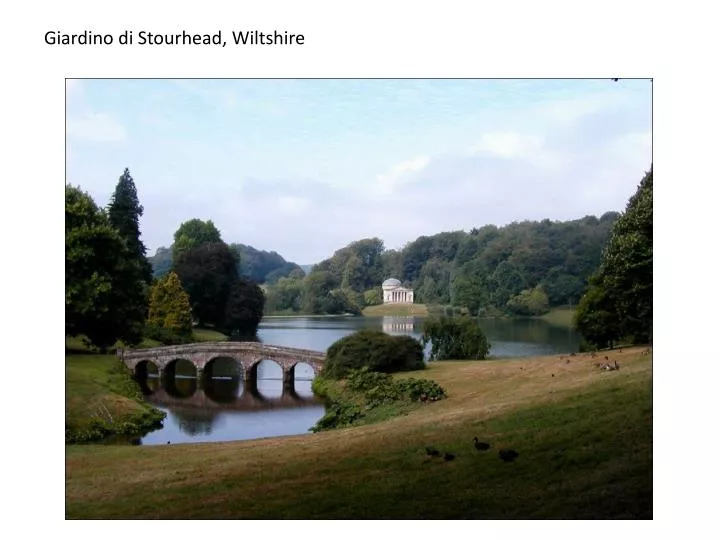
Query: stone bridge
x=246 y=354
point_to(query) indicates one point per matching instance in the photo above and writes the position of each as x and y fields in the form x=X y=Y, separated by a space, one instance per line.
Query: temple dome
x=390 y=283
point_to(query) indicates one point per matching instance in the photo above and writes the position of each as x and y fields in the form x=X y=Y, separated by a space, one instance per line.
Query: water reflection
x=227 y=408
x=220 y=407
x=398 y=325
x=509 y=337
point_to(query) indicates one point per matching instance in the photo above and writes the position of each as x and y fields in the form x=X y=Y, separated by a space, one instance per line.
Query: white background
x=368 y=39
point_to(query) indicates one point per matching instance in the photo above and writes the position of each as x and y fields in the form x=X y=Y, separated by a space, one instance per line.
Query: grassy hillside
x=396 y=310
x=101 y=400
x=560 y=316
x=208 y=334
x=584 y=437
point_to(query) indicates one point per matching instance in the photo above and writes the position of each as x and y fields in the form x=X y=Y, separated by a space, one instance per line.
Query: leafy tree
x=286 y=270
x=375 y=350
x=562 y=288
x=244 y=309
x=193 y=233
x=373 y=297
x=208 y=273
x=622 y=287
x=124 y=213
x=284 y=295
x=596 y=317
x=470 y=288
x=529 y=302
x=98 y=274
x=506 y=281
x=316 y=290
x=341 y=301
x=458 y=338
x=170 y=309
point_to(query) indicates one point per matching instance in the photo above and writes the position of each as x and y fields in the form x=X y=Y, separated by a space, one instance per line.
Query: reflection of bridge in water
x=220 y=394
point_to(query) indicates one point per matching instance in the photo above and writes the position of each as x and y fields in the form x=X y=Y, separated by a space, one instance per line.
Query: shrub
x=375 y=350
x=365 y=390
x=459 y=338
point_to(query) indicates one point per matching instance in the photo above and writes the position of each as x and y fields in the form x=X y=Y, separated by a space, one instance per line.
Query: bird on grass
x=431 y=451
x=481 y=446
x=449 y=457
x=508 y=455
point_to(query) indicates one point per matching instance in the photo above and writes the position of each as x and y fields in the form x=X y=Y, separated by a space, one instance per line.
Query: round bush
x=375 y=350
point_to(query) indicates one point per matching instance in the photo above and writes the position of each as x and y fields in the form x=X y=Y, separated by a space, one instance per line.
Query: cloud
x=508 y=145
x=311 y=183
x=402 y=173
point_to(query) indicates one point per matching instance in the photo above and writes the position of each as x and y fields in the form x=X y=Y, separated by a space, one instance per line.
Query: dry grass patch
x=584 y=438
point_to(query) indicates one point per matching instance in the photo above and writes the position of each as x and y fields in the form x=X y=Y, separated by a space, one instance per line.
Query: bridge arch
x=304 y=370
x=246 y=354
x=222 y=366
x=143 y=368
x=179 y=366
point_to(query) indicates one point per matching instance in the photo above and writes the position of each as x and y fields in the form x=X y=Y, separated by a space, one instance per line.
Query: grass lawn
x=98 y=390
x=396 y=310
x=208 y=334
x=584 y=438
x=560 y=316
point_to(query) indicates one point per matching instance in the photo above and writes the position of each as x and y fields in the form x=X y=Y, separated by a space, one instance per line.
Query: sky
x=306 y=166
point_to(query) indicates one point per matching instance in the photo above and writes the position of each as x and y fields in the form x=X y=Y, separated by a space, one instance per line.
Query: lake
x=224 y=410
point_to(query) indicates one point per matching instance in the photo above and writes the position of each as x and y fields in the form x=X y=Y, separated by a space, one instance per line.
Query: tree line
x=110 y=292
x=617 y=306
x=523 y=268
x=253 y=264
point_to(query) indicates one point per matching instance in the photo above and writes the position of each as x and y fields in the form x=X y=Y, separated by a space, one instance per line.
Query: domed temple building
x=395 y=293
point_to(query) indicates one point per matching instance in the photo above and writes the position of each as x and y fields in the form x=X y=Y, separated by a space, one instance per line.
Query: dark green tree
x=100 y=276
x=208 y=273
x=456 y=338
x=244 y=309
x=193 y=233
x=596 y=317
x=125 y=212
x=375 y=350
x=317 y=286
x=621 y=294
x=529 y=302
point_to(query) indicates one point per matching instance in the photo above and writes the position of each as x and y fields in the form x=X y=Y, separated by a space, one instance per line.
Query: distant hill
x=487 y=268
x=256 y=265
x=307 y=268
x=264 y=266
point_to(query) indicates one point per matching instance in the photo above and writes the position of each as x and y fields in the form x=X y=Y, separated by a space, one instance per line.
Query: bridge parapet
x=246 y=353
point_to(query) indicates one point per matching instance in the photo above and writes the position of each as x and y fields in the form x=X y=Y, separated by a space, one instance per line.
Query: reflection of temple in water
x=401 y=325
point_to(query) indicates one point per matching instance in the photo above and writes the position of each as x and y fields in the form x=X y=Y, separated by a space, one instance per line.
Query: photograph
x=358 y=298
